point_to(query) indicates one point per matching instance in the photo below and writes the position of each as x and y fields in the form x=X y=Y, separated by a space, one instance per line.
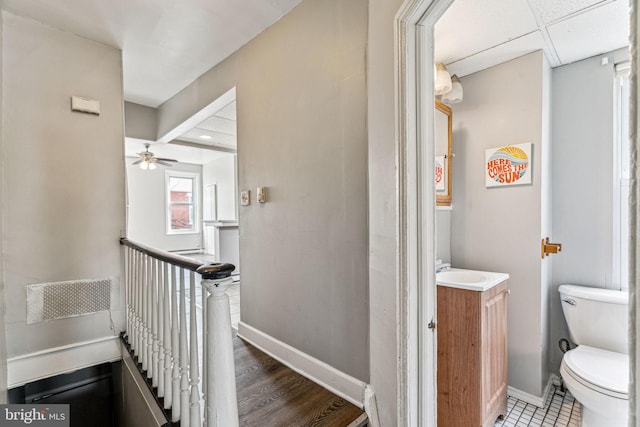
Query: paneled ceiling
x=218 y=131
x=476 y=34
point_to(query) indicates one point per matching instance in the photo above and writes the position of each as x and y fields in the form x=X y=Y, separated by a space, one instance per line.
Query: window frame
x=195 y=202
x=621 y=178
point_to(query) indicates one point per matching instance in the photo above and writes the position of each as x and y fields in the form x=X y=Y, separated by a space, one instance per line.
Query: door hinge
x=432 y=325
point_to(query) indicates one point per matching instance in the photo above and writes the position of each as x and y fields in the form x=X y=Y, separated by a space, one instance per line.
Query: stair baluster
x=154 y=322
x=166 y=329
x=175 y=347
x=193 y=353
x=161 y=314
x=184 y=357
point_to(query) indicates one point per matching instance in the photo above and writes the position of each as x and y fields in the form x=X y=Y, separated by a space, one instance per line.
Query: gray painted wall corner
x=66 y=204
x=383 y=213
x=140 y=121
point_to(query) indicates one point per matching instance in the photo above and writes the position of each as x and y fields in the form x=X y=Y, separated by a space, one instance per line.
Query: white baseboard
x=59 y=360
x=530 y=398
x=339 y=383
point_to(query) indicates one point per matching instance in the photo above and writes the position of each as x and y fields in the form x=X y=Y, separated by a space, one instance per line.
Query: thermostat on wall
x=85 y=105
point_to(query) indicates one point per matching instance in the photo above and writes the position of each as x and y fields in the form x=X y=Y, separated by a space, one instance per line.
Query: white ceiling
x=476 y=34
x=166 y=44
x=182 y=153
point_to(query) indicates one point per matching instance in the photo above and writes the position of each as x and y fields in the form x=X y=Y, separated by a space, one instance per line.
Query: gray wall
x=383 y=214
x=499 y=229
x=134 y=405
x=583 y=132
x=140 y=121
x=443 y=235
x=147 y=222
x=223 y=173
x=3 y=346
x=63 y=191
x=301 y=97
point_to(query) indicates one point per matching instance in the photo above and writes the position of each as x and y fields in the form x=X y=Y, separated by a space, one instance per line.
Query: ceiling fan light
x=152 y=166
x=455 y=95
x=144 y=165
x=442 y=83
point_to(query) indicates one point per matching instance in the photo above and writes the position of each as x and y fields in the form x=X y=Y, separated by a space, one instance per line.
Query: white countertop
x=473 y=280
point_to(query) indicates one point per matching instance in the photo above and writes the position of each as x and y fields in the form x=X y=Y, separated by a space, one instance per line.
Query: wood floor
x=272 y=395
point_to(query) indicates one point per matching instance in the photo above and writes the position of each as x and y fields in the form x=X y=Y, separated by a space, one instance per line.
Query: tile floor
x=560 y=410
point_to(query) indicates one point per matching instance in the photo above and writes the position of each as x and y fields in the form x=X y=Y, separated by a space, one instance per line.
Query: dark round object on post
x=216 y=270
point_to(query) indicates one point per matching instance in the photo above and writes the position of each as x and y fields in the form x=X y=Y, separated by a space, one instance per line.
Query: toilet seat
x=603 y=371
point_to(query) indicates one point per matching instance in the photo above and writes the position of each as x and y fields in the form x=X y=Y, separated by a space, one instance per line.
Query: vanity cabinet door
x=494 y=352
x=458 y=373
x=472 y=356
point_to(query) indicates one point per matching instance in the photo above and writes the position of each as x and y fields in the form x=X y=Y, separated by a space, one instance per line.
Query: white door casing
x=414 y=73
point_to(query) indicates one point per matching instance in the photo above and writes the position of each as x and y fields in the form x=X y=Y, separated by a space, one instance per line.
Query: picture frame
x=508 y=165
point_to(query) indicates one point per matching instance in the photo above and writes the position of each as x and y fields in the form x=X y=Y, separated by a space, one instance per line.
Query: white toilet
x=597 y=371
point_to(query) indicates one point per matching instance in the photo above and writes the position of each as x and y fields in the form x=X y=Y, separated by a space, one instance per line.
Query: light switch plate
x=245 y=197
x=261 y=195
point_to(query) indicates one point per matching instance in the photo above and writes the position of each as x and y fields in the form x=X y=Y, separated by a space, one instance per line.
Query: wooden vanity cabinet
x=472 y=356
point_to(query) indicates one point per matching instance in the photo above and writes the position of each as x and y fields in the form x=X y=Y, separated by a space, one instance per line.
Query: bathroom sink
x=469 y=279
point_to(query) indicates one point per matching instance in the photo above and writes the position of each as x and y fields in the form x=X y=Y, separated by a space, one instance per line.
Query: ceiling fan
x=148 y=161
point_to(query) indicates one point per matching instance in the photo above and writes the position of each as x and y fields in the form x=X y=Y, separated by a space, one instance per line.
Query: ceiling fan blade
x=162 y=162
x=165 y=160
x=137 y=162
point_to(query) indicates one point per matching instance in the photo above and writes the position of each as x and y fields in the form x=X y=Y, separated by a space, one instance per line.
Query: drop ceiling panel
x=605 y=28
x=228 y=112
x=217 y=139
x=471 y=26
x=553 y=10
x=497 y=55
x=218 y=124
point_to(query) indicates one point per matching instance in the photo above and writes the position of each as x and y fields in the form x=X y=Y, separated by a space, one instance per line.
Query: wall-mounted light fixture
x=447 y=87
x=455 y=95
x=443 y=80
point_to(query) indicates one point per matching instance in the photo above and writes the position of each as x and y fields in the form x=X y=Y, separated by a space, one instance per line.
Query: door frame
x=415 y=140
x=414 y=72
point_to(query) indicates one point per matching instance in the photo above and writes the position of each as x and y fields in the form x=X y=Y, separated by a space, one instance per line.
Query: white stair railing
x=162 y=334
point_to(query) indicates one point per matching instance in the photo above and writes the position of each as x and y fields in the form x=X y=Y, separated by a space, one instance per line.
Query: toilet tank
x=596 y=317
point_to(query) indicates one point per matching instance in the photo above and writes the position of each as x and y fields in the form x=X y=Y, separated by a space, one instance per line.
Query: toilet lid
x=602 y=369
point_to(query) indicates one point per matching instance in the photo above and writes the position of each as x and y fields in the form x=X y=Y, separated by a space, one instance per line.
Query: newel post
x=221 y=400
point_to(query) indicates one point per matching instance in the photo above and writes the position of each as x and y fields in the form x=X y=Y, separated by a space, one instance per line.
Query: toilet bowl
x=598 y=379
x=596 y=372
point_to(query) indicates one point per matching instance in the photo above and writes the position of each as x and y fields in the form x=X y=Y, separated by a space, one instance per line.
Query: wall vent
x=60 y=300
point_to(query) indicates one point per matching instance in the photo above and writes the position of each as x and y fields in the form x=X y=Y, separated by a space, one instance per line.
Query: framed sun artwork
x=508 y=165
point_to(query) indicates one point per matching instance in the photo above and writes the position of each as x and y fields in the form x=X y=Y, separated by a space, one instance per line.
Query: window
x=621 y=177
x=182 y=202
